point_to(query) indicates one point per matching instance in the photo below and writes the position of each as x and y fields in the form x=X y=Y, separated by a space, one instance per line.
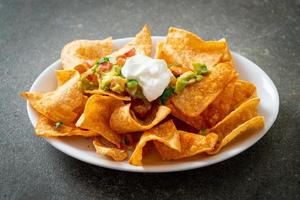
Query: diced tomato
x=130 y=53
x=105 y=67
x=83 y=67
x=177 y=71
x=92 y=78
x=121 y=60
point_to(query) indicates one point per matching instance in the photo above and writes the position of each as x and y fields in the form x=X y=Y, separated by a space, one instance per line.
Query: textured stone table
x=31 y=36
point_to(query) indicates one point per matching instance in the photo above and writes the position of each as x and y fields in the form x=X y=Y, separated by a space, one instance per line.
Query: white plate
x=82 y=149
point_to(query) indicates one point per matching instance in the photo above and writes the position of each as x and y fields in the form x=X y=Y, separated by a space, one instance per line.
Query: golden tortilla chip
x=96 y=115
x=142 y=44
x=197 y=122
x=243 y=113
x=165 y=133
x=248 y=127
x=46 y=128
x=79 y=54
x=214 y=113
x=62 y=104
x=186 y=48
x=109 y=93
x=124 y=121
x=191 y=144
x=159 y=50
x=63 y=76
x=226 y=55
x=115 y=153
x=195 y=98
x=220 y=107
x=243 y=90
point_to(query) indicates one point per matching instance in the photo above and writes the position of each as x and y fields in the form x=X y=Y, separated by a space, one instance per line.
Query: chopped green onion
x=117 y=70
x=58 y=124
x=200 y=68
x=132 y=83
x=104 y=59
x=166 y=95
x=113 y=60
x=185 y=79
x=203 y=132
x=199 y=77
x=95 y=67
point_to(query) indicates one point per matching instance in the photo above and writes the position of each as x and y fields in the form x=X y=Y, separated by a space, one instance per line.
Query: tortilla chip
x=191 y=144
x=243 y=113
x=109 y=93
x=195 y=98
x=159 y=50
x=243 y=90
x=231 y=97
x=197 y=122
x=62 y=104
x=214 y=113
x=96 y=115
x=220 y=107
x=181 y=125
x=46 y=128
x=115 y=153
x=165 y=133
x=142 y=43
x=249 y=127
x=124 y=121
x=226 y=55
x=186 y=48
x=76 y=54
x=63 y=76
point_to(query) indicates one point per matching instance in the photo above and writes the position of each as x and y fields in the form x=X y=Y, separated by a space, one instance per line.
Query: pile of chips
x=203 y=118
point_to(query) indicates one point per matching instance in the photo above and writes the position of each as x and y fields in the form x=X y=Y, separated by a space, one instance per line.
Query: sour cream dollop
x=152 y=75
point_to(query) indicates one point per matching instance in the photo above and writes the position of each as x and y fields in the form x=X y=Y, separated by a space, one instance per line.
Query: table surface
x=32 y=34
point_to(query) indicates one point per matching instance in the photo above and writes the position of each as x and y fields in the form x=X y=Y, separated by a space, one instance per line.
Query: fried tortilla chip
x=249 y=127
x=108 y=93
x=220 y=107
x=214 y=113
x=165 y=133
x=79 y=54
x=243 y=113
x=186 y=48
x=115 y=153
x=243 y=90
x=123 y=120
x=195 y=98
x=159 y=50
x=63 y=76
x=197 y=122
x=191 y=144
x=96 y=115
x=63 y=104
x=142 y=44
x=46 y=128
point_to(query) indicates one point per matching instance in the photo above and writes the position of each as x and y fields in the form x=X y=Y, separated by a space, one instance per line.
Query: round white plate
x=82 y=148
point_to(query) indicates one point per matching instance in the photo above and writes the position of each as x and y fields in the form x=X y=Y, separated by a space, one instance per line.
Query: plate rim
x=157 y=169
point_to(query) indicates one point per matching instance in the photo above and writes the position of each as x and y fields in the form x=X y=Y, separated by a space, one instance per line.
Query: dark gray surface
x=31 y=36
